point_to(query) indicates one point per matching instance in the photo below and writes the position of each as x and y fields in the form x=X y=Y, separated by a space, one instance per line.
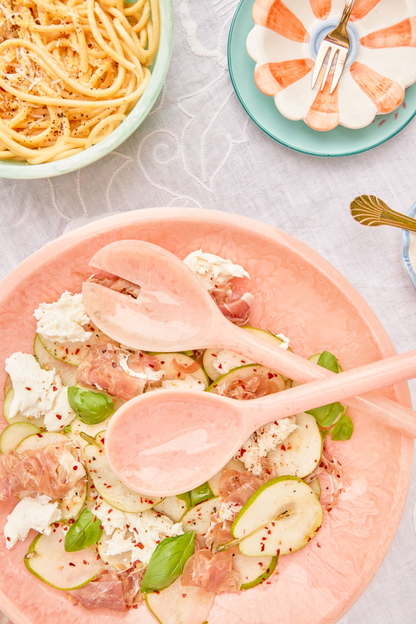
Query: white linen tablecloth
x=198 y=148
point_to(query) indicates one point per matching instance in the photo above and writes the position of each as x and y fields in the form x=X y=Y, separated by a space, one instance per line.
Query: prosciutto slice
x=238 y=487
x=104 y=592
x=115 y=370
x=213 y=572
x=252 y=387
x=42 y=470
x=218 y=534
x=238 y=311
x=131 y=580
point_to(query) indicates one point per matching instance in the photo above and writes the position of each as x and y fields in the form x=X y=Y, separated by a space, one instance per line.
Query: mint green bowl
x=21 y=170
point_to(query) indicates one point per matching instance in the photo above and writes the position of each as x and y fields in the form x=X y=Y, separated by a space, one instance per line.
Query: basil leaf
x=84 y=532
x=327 y=415
x=90 y=407
x=200 y=494
x=328 y=361
x=344 y=429
x=167 y=562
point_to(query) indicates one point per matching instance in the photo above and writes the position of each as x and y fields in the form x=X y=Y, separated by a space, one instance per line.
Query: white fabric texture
x=198 y=148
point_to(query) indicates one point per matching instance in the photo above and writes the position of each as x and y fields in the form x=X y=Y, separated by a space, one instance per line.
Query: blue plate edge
x=405 y=250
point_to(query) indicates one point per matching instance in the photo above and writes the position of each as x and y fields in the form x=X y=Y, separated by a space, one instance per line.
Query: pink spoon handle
x=228 y=336
x=337 y=388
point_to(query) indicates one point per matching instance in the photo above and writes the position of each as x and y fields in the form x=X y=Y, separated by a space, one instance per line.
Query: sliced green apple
x=71 y=353
x=170 y=372
x=244 y=372
x=72 y=504
x=254 y=570
x=301 y=452
x=48 y=560
x=113 y=491
x=280 y=518
x=198 y=518
x=7 y=385
x=316 y=486
x=178 y=604
x=78 y=427
x=13 y=435
x=173 y=507
x=67 y=372
x=40 y=440
x=234 y=359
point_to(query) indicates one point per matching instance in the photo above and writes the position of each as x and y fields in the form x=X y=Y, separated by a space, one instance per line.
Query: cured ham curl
x=115 y=591
x=105 y=592
x=238 y=311
x=238 y=487
x=120 y=373
x=42 y=471
x=212 y=572
x=252 y=387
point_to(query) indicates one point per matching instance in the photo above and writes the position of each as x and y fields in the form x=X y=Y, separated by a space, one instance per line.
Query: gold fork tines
x=371 y=211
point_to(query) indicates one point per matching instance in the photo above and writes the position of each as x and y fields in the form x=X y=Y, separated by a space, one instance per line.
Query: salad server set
x=165 y=317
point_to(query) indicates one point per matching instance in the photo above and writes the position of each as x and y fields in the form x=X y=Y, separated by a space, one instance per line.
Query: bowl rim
x=275 y=137
x=406 y=249
x=134 y=119
x=239 y=222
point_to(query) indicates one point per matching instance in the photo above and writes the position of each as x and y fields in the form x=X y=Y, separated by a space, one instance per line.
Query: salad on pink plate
x=110 y=547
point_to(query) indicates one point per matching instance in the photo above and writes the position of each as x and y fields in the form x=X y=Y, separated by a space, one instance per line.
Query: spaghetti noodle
x=70 y=72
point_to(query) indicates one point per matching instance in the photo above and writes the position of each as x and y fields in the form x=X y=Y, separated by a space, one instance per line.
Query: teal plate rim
x=261 y=107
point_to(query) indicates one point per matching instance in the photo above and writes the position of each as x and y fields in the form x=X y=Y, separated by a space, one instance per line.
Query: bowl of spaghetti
x=77 y=78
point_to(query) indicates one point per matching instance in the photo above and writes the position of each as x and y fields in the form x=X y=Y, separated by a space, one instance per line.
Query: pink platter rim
x=296 y=247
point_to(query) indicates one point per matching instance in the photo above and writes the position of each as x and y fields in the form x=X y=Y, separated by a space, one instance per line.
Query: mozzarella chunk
x=63 y=320
x=36 y=513
x=33 y=386
x=213 y=271
x=61 y=413
x=111 y=519
x=70 y=464
x=38 y=392
x=136 y=533
x=264 y=440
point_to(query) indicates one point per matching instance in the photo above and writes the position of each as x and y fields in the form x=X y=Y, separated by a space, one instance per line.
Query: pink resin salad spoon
x=167 y=442
x=173 y=312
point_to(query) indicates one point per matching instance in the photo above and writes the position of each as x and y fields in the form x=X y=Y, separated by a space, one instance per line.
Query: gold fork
x=335 y=45
x=372 y=211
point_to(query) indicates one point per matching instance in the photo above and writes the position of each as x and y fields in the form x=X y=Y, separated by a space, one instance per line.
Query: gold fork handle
x=349 y=5
x=371 y=211
x=396 y=219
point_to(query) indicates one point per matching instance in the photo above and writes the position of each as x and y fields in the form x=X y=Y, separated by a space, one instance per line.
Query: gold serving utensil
x=372 y=211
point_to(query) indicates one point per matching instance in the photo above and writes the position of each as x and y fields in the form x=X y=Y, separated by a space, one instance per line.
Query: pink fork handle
x=338 y=388
x=303 y=371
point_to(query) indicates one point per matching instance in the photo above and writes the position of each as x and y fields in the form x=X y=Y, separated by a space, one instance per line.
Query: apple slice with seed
x=280 y=518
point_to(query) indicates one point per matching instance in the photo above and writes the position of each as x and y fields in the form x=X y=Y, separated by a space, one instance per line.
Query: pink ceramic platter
x=297 y=293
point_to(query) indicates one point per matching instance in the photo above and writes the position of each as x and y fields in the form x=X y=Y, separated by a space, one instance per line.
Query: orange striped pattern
x=275 y=15
x=271 y=78
x=321 y=8
x=400 y=35
x=386 y=94
x=323 y=115
x=363 y=8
